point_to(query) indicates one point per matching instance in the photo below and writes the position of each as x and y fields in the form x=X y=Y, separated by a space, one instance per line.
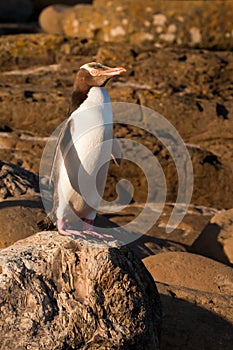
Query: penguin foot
x=96 y=234
x=85 y=232
x=65 y=232
x=87 y=229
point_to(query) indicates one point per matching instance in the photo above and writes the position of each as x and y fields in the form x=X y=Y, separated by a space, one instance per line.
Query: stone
x=194 y=319
x=81 y=21
x=19 y=217
x=216 y=239
x=57 y=292
x=191 y=271
x=50 y=18
x=196 y=294
x=16 y=181
x=156 y=240
x=161 y=23
x=20 y=205
x=37 y=73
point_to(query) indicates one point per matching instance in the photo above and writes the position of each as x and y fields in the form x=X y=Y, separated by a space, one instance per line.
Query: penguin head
x=96 y=74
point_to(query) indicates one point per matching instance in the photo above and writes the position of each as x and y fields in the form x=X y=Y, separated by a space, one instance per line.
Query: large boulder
x=60 y=293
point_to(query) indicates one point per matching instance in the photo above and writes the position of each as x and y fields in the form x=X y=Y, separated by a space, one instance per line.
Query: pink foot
x=96 y=234
x=63 y=231
x=87 y=229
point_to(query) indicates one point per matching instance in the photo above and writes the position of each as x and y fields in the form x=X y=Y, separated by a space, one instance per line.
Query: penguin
x=84 y=148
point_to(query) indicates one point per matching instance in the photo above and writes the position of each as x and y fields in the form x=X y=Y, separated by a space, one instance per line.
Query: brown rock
x=196 y=99
x=195 y=320
x=158 y=23
x=216 y=239
x=156 y=239
x=81 y=21
x=196 y=295
x=15 y=181
x=20 y=204
x=191 y=271
x=64 y=293
x=51 y=18
x=19 y=217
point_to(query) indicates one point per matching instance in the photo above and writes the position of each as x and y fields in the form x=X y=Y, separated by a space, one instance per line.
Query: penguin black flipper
x=62 y=153
x=54 y=169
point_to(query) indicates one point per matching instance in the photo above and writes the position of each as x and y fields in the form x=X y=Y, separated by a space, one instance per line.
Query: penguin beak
x=112 y=71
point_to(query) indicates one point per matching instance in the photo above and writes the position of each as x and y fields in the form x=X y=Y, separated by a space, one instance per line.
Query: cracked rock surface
x=60 y=293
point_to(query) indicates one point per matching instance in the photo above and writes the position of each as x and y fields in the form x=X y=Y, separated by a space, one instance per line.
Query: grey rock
x=60 y=293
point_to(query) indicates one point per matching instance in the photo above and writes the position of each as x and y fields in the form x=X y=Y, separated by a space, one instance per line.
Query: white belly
x=92 y=127
x=92 y=137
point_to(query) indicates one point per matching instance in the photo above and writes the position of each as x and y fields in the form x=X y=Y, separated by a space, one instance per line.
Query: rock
x=157 y=240
x=191 y=271
x=19 y=217
x=70 y=294
x=80 y=21
x=51 y=18
x=216 y=239
x=161 y=24
x=15 y=10
x=196 y=294
x=15 y=181
x=37 y=72
x=20 y=205
x=195 y=320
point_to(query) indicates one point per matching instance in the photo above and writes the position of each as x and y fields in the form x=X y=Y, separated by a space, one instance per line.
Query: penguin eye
x=94 y=72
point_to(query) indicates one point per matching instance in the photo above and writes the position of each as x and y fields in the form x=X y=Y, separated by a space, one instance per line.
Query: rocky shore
x=179 y=63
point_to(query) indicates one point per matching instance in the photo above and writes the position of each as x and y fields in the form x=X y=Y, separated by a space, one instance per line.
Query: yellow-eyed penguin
x=84 y=148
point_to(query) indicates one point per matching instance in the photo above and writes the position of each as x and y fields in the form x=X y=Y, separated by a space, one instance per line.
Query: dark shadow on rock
x=138 y=243
x=187 y=326
x=142 y=251
x=207 y=244
x=27 y=203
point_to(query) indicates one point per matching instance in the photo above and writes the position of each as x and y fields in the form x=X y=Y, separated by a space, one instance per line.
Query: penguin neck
x=79 y=95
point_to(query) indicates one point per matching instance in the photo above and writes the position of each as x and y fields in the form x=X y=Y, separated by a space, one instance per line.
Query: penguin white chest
x=93 y=131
